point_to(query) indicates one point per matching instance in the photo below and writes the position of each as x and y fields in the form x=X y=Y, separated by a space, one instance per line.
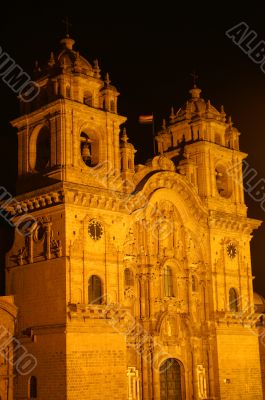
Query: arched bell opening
x=43 y=149
x=89 y=149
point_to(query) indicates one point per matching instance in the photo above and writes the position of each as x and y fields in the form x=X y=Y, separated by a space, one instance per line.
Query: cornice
x=66 y=193
x=225 y=221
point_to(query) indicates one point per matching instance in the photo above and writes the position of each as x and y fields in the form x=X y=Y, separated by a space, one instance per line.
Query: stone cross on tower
x=195 y=77
x=67 y=24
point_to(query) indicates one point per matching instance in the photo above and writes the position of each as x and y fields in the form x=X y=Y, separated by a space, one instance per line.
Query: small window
x=88 y=99
x=194 y=283
x=233 y=300
x=112 y=106
x=68 y=92
x=168 y=282
x=94 y=290
x=218 y=138
x=128 y=277
x=33 y=387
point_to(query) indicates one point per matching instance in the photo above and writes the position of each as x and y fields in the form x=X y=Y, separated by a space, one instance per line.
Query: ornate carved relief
x=164 y=163
x=22 y=255
x=129 y=246
x=133 y=383
x=172 y=329
x=39 y=244
x=202 y=392
x=56 y=247
x=129 y=294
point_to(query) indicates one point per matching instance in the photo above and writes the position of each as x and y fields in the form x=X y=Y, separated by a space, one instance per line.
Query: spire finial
x=96 y=69
x=107 y=79
x=36 y=66
x=67 y=24
x=68 y=43
x=124 y=137
x=195 y=92
x=51 y=60
x=195 y=78
x=172 y=113
x=223 y=114
x=164 y=125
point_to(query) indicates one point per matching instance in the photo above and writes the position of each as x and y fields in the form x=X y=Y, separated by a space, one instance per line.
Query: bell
x=86 y=151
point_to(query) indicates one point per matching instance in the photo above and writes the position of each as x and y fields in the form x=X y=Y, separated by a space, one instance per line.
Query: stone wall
x=239 y=372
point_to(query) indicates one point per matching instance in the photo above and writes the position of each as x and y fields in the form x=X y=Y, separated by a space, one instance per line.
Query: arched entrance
x=170 y=380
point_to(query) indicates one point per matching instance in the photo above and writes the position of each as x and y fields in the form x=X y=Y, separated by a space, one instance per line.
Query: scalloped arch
x=173 y=187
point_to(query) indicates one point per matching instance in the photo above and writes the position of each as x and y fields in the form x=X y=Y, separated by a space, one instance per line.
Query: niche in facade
x=88 y=100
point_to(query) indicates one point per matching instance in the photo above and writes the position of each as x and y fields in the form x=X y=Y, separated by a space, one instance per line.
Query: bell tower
x=63 y=267
x=204 y=145
x=208 y=152
x=73 y=124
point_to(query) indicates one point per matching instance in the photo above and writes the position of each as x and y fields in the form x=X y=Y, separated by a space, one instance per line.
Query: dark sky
x=150 y=54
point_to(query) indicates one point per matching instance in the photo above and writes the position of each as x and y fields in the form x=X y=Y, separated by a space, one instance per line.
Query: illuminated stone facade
x=132 y=281
x=259 y=302
x=8 y=369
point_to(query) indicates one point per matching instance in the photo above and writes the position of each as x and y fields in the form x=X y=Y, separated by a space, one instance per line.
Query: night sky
x=150 y=55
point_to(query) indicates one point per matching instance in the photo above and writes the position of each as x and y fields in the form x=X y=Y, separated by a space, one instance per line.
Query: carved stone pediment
x=39 y=244
x=129 y=294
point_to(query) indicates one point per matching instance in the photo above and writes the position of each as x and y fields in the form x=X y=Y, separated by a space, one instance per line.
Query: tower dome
x=69 y=75
x=196 y=106
x=69 y=60
x=259 y=302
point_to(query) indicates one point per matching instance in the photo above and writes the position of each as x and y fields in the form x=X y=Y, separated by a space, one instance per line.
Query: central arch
x=171 y=385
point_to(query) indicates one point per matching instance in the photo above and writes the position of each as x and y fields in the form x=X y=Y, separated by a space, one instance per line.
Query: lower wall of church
x=96 y=365
x=84 y=364
x=8 y=313
x=262 y=361
x=48 y=348
x=239 y=365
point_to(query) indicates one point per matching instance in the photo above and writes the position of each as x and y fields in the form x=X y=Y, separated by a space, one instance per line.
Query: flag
x=146 y=119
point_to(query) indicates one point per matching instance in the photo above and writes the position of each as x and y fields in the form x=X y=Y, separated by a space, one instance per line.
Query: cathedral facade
x=130 y=281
